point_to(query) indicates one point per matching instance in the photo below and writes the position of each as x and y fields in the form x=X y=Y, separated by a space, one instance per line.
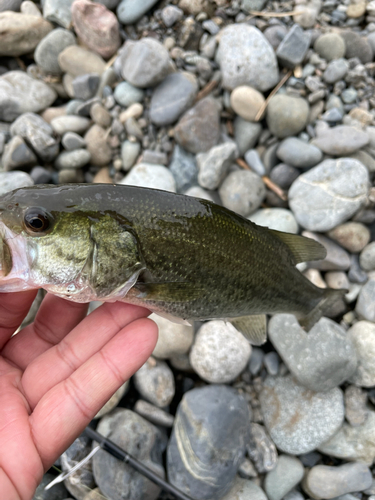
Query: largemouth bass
x=179 y=256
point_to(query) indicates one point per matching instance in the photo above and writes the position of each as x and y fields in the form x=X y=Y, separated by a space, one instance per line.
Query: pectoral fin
x=253 y=328
x=303 y=249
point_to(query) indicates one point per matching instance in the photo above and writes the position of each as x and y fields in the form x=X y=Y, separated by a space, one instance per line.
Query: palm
x=56 y=374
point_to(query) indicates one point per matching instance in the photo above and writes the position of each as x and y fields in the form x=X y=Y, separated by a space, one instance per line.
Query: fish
x=181 y=257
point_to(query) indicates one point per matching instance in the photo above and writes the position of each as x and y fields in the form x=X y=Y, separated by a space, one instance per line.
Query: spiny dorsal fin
x=253 y=328
x=303 y=249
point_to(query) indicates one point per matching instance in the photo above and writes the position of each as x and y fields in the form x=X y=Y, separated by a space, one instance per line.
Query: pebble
x=28 y=7
x=362 y=334
x=97 y=145
x=198 y=130
x=275 y=34
x=365 y=303
x=336 y=259
x=171 y=14
x=367 y=256
x=353 y=236
x=70 y=123
x=58 y=11
x=261 y=449
x=243 y=489
x=297 y=153
x=256 y=360
x=134 y=111
x=246 y=102
x=324 y=481
x=272 y=363
x=184 y=169
x=40 y=175
x=208 y=441
x=198 y=192
x=96 y=26
x=219 y=353
x=85 y=86
x=255 y=163
x=77 y=61
x=287 y=115
x=293 y=47
x=280 y=219
x=329 y=194
x=21 y=33
x=103 y=177
x=337 y=280
x=213 y=165
x=246 y=58
x=14 y=180
x=356 y=410
x=246 y=134
x=357 y=46
x=174 y=339
x=284 y=477
x=139 y=438
x=151 y=176
x=100 y=115
x=126 y=94
x=19 y=93
x=17 y=155
x=129 y=153
x=307 y=13
x=242 y=191
x=173 y=97
x=297 y=419
x=47 y=52
x=130 y=11
x=341 y=140
x=144 y=63
x=155 y=382
x=113 y=401
x=330 y=46
x=73 y=159
x=153 y=414
x=284 y=175
x=320 y=360
x=10 y=5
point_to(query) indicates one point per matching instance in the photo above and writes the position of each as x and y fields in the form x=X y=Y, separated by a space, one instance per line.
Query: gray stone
x=198 y=192
x=110 y=4
x=18 y=155
x=100 y=115
x=333 y=115
x=320 y=360
x=129 y=153
x=280 y=219
x=155 y=382
x=250 y=5
x=261 y=449
x=58 y=11
x=256 y=360
x=47 y=52
x=330 y=46
x=37 y=134
x=255 y=163
x=349 y=96
x=153 y=414
x=284 y=175
x=356 y=410
x=113 y=401
x=56 y=493
x=28 y=7
x=208 y=441
x=307 y=13
x=144 y=63
x=76 y=60
x=246 y=58
x=126 y=94
x=174 y=339
x=72 y=141
x=152 y=176
x=324 y=481
x=365 y=303
x=85 y=86
x=284 y=477
x=297 y=419
x=362 y=334
x=357 y=46
x=10 y=5
x=41 y=175
x=329 y=193
x=336 y=259
x=243 y=489
x=294 y=46
x=184 y=169
x=336 y=70
x=213 y=165
x=82 y=480
x=171 y=14
x=63 y=124
x=19 y=93
x=272 y=363
x=367 y=257
x=219 y=353
x=143 y=441
x=173 y=97
x=275 y=34
x=298 y=153
x=73 y=159
x=246 y=134
x=130 y=11
x=242 y=191
x=287 y=115
x=341 y=141
x=198 y=130
x=14 y=180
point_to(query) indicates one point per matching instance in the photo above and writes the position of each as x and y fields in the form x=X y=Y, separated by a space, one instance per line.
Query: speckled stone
x=341 y=140
x=242 y=191
x=284 y=477
x=362 y=334
x=174 y=339
x=287 y=115
x=213 y=165
x=155 y=382
x=151 y=176
x=353 y=236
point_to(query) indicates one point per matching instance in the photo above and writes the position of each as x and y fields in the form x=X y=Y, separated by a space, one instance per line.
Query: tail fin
x=330 y=297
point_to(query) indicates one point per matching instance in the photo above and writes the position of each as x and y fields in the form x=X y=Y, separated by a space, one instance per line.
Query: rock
x=59 y=491
x=40 y=175
x=28 y=7
x=173 y=97
x=174 y=339
x=356 y=10
x=330 y=46
x=144 y=63
x=329 y=194
x=320 y=360
x=38 y=135
x=171 y=14
x=219 y=353
x=21 y=33
x=208 y=441
x=287 y=115
x=341 y=141
x=255 y=163
x=10 y=5
x=357 y=46
x=246 y=134
x=47 y=52
x=307 y=13
x=353 y=236
x=324 y=481
x=153 y=414
x=297 y=419
x=113 y=401
x=297 y=153
x=143 y=441
x=198 y=192
x=97 y=27
x=70 y=175
x=183 y=166
x=284 y=175
x=367 y=257
x=58 y=11
x=193 y=7
x=365 y=302
x=85 y=86
x=73 y=159
x=14 y=180
x=19 y=94
x=155 y=382
x=246 y=102
x=198 y=130
x=129 y=153
x=293 y=47
x=284 y=477
x=100 y=115
x=242 y=191
x=97 y=145
x=18 y=155
x=336 y=70
x=337 y=280
x=356 y=410
x=243 y=489
x=70 y=123
x=79 y=61
x=362 y=334
x=275 y=34
x=279 y=219
x=246 y=58
x=126 y=94
x=103 y=177
x=152 y=176
x=130 y=11
x=261 y=449
x=336 y=259
x=213 y=165
x=82 y=480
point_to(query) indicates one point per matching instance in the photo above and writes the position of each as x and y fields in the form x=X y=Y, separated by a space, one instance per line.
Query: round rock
x=73 y=159
x=97 y=145
x=367 y=257
x=298 y=153
x=336 y=70
x=130 y=11
x=353 y=236
x=70 y=123
x=242 y=191
x=287 y=115
x=47 y=52
x=126 y=94
x=246 y=102
x=280 y=219
x=78 y=61
x=284 y=477
x=357 y=46
x=362 y=334
x=174 y=339
x=14 y=180
x=330 y=46
x=341 y=141
x=155 y=382
x=151 y=176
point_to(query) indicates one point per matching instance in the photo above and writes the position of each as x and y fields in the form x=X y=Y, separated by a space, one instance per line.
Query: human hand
x=56 y=374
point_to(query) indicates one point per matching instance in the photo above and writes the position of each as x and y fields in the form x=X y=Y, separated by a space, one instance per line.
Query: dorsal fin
x=303 y=249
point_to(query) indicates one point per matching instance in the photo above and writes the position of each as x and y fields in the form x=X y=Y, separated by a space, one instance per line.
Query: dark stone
x=294 y=46
x=85 y=86
x=17 y=155
x=357 y=46
x=184 y=169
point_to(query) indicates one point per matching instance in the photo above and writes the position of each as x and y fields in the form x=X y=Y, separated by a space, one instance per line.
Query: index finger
x=13 y=309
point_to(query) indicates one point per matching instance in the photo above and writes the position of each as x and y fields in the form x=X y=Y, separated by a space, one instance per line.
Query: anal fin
x=253 y=328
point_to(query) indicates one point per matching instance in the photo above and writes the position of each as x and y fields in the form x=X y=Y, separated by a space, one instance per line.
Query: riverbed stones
x=365 y=302
x=58 y=12
x=174 y=339
x=242 y=191
x=213 y=165
x=330 y=46
x=47 y=52
x=130 y=11
x=155 y=382
x=78 y=61
x=293 y=47
x=284 y=477
x=246 y=134
x=151 y=176
x=246 y=102
x=362 y=334
x=97 y=145
x=336 y=70
x=367 y=257
x=297 y=153
x=14 y=180
x=70 y=123
x=287 y=115
x=353 y=236
x=280 y=219
x=341 y=140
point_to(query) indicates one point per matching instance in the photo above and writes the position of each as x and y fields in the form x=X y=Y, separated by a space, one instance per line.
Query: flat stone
x=17 y=155
x=153 y=414
x=293 y=47
x=287 y=115
x=79 y=61
x=246 y=102
x=173 y=97
x=298 y=153
x=174 y=339
x=242 y=191
x=362 y=334
x=97 y=145
x=246 y=58
x=243 y=489
x=151 y=176
x=353 y=236
x=70 y=123
x=213 y=165
x=58 y=11
x=14 y=180
x=183 y=166
x=130 y=11
x=246 y=134
x=47 y=52
x=365 y=303
x=21 y=33
x=280 y=219
x=155 y=382
x=329 y=194
x=284 y=477
x=198 y=192
x=297 y=419
x=342 y=140
x=330 y=46
x=320 y=360
x=337 y=259
x=73 y=159
x=126 y=94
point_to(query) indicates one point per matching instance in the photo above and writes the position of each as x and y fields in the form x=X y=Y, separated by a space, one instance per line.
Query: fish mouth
x=14 y=268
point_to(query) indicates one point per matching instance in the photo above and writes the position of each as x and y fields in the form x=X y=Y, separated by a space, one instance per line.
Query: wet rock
x=330 y=46
x=261 y=449
x=184 y=169
x=298 y=153
x=246 y=102
x=79 y=61
x=174 y=339
x=152 y=176
x=320 y=360
x=353 y=236
x=246 y=134
x=293 y=47
x=14 y=180
x=287 y=115
x=280 y=219
x=126 y=94
x=47 y=52
x=97 y=146
x=155 y=382
x=365 y=303
x=341 y=140
x=58 y=11
x=329 y=193
x=242 y=191
x=297 y=419
x=130 y=11
x=113 y=401
x=17 y=155
x=71 y=123
x=243 y=490
x=362 y=334
x=208 y=441
x=284 y=477
x=213 y=165
x=153 y=414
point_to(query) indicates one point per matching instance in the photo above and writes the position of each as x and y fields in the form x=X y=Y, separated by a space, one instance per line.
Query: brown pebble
x=97 y=145
x=103 y=177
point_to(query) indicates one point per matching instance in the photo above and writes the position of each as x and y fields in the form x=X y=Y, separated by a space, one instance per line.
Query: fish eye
x=36 y=220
